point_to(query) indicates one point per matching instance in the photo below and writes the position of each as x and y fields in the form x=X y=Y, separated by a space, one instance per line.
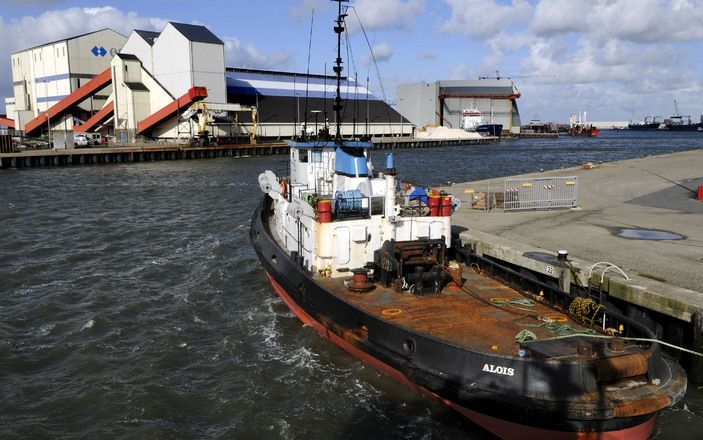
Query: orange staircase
x=98 y=118
x=178 y=105
x=71 y=101
x=9 y=123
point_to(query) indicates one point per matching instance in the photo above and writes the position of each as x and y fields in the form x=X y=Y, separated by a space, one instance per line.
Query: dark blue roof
x=196 y=33
x=148 y=36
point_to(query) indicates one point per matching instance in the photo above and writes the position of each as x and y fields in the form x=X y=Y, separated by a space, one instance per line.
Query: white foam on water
x=45 y=330
x=88 y=325
x=284 y=429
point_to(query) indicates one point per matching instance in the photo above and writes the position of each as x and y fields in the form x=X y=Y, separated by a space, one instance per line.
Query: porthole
x=409 y=346
x=273 y=259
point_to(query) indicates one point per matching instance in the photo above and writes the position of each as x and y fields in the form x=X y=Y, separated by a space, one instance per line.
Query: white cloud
x=611 y=79
x=462 y=71
x=384 y=14
x=54 y=25
x=634 y=67
x=381 y=52
x=485 y=18
x=642 y=21
x=238 y=54
x=608 y=57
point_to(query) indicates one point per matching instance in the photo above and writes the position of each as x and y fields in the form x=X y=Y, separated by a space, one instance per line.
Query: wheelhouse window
x=316 y=156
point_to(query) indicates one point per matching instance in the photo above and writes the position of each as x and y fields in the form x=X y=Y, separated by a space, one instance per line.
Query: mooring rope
x=627 y=338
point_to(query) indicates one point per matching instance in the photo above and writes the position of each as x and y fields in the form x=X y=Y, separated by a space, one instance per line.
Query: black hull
x=490 y=129
x=533 y=399
x=684 y=127
x=641 y=127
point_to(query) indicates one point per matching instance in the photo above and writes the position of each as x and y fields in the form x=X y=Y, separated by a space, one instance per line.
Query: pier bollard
x=695 y=372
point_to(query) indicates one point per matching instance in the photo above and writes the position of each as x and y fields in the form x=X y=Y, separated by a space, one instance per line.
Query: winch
x=415 y=265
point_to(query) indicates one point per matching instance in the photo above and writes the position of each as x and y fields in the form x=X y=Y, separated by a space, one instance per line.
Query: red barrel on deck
x=446 y=207
x=435 y=202
x=324 y=211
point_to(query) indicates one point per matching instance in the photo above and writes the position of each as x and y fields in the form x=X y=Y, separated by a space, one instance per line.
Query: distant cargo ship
x=678 y=123
x=646 y=125
x=490 y=129
x=472 y=120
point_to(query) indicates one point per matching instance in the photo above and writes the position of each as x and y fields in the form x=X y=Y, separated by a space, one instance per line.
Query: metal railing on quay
x=540 y=193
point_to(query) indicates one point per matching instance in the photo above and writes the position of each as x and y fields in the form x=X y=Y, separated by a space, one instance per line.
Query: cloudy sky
x=618 y=59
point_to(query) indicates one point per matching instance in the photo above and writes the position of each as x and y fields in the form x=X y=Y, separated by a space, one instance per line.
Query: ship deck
x=457 y=316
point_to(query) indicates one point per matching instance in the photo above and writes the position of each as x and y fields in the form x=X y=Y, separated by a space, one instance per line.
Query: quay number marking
x=550 y=270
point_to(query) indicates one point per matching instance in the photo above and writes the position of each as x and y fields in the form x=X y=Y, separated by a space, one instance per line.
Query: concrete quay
x=658 y=193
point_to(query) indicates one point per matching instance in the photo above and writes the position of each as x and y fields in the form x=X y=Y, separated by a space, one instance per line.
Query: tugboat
x=369 y=263
x=579 y=127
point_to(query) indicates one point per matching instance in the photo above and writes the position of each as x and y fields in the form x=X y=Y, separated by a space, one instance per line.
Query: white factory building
x=174 y=85
x=441 y=103
x=46 y=74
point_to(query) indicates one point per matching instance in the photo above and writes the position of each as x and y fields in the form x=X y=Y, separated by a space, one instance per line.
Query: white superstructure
x=364 y=211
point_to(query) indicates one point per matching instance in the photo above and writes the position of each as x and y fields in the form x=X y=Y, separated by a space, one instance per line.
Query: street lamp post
x=48 y=124
x=317 y=113
x=401 y=116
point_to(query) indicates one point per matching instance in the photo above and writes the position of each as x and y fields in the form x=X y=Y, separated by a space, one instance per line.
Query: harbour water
x=132 y=305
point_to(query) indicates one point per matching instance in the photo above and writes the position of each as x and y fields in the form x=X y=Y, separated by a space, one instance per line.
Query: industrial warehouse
x=443 y=102
x=174 y=86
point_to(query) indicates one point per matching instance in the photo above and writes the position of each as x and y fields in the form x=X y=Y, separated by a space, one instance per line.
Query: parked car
x=95 y=138
x=81 y=141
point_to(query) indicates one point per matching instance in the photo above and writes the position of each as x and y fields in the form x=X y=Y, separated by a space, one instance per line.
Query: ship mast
x=337 y=107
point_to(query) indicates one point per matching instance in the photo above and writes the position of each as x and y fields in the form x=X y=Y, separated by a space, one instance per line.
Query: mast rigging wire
x=307 y=76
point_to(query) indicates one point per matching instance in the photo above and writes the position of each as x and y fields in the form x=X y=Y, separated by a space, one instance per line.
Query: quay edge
x=665 y=289
x=674 y=313
x=149 y=153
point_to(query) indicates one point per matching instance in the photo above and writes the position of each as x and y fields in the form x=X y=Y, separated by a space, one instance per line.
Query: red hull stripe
x=499 y=427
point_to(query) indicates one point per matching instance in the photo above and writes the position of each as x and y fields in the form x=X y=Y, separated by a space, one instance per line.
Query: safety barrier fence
x=540 y=193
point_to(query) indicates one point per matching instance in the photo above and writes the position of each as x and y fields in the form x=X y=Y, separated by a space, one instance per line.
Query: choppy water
x=132 y=305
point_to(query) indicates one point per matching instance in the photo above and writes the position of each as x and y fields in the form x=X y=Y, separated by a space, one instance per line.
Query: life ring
x=284 y=187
